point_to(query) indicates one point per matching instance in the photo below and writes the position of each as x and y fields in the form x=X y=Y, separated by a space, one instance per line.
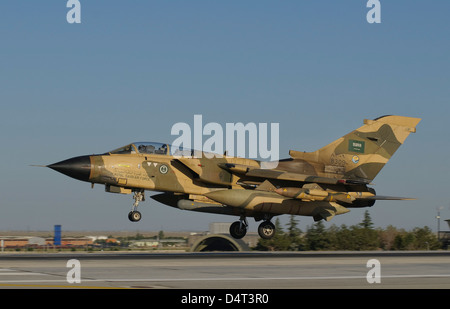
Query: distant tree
x=343 y=239
x=425 y=239
x=294 y=235
x=362 y=236
x=387 y=237
x=293 y=230
x=139 y=236
x=317 y=237
x=367 y=221
x=278 y=226
x=279 y=242
x=404 y=241
x=365 y=237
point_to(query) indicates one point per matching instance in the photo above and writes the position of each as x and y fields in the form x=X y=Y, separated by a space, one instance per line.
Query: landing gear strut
x=238 y=229
x=134 y=215
x=266 y=229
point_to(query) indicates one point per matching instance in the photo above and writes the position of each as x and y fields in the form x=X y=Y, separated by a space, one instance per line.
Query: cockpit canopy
x=155 y=148
x=143 y=148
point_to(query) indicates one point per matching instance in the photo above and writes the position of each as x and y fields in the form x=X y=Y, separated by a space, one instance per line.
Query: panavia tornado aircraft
x=320 y=184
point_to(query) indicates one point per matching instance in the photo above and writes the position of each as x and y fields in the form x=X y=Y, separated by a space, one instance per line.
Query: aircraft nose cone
x=77 y=167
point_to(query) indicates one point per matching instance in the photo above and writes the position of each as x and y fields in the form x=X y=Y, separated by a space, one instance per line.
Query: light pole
x=438 y=217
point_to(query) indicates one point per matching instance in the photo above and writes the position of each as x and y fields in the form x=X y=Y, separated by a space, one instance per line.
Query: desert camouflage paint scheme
x=319 y=184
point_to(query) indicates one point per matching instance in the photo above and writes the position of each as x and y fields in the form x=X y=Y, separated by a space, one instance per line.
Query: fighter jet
x=319 y=184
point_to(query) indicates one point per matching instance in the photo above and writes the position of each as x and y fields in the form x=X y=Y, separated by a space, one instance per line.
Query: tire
x=266 y=230
x=134 y=216
x=236 y=231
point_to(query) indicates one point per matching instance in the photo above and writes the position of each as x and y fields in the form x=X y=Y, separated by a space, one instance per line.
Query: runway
x=234 y=270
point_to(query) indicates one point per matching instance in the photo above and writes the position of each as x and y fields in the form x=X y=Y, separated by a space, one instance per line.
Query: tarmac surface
x=228 y=270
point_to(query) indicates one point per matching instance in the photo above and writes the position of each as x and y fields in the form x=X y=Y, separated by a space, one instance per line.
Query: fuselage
x=320 y=184
x=140 y=167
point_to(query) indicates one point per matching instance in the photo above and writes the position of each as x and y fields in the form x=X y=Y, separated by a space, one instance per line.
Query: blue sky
x=132 y=69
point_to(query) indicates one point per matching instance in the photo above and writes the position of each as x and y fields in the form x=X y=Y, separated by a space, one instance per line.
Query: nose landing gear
x=134 y=215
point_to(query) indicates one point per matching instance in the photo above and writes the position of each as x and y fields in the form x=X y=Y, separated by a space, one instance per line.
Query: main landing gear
x=238 y=229
x=266 y=229
x=134 y=215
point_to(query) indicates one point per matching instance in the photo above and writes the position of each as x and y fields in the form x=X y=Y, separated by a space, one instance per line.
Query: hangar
x=218 y=242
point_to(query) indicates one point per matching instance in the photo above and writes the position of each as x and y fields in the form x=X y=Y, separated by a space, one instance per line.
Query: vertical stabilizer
x=362 y=153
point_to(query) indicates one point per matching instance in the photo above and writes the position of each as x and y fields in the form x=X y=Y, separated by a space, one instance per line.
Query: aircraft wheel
x=238 y=230
x=266 y=230
x=134 y=216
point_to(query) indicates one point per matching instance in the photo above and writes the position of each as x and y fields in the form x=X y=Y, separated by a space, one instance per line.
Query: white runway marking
x=13 y=272
x=220 y=279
